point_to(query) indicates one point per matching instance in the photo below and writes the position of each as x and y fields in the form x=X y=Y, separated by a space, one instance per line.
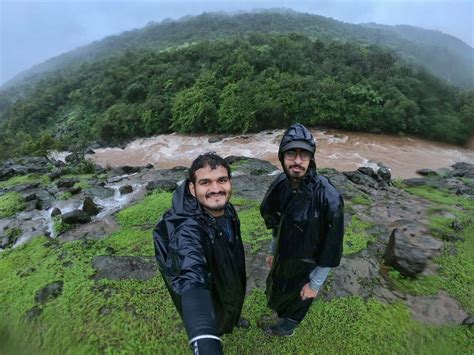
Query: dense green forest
x=442 y=55
x=244 y=85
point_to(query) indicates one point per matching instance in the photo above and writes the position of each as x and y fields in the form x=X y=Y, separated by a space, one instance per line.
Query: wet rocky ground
x=400 y=236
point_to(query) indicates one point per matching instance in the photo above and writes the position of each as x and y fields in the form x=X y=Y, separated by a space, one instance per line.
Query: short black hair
x=211 y=159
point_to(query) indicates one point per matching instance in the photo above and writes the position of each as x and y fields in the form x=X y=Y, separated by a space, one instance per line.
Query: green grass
x=456 y=274
x=64 y=196
x=60 y=227
x=362 y=200
x=146 y=213
x=10 y=204
x=442 y=197
x=349 y=326
x=130 y=316
x=355 y=236
x=252 y=226
x=24 y=179
x=83 y=184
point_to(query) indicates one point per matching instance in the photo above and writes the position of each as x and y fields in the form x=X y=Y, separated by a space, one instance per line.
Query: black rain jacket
x=193 y=253
x=308 y=223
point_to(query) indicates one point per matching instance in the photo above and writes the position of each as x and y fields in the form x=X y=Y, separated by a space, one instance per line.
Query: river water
x=341 y=150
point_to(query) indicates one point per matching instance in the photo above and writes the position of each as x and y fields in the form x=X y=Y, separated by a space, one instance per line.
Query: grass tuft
x=10 y=204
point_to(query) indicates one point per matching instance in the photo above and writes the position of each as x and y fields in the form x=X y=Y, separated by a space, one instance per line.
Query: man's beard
x=295 y=177
x=218 y=208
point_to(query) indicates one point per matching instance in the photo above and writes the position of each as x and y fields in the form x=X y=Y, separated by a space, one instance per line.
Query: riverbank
x=338 y=149
x=405 y=282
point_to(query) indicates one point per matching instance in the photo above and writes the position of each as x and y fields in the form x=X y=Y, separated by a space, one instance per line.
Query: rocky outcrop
x=125 y=189
x=439 y=309
x=368 y=177
x=90 y=207
x=250 y=166
x=162 y=185
x=410 y=255
x=75 y=217
x=359 y=275
x=124 y=267
x=66 y=183
x=23 y=166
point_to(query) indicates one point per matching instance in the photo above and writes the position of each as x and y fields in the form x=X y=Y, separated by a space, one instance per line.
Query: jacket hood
x=184 y=203
x=297 y=136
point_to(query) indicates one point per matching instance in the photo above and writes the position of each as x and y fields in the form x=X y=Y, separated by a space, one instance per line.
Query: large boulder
x=385 y=173
x=66 y=183
x=125 y=189
x=164 y=185
x=410 y=255
x=426 y=172
x=6 y=173
x=74 y=158
x=90 y=207
x=75 y=217
x=463 y=169
x=360 y=178
x=250 y=166
x=55 y=212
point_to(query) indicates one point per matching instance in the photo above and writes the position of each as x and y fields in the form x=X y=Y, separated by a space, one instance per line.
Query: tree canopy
x=242 y=85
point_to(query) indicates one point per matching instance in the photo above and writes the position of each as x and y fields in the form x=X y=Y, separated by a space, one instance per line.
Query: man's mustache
x=297 y=165
x=210 y=194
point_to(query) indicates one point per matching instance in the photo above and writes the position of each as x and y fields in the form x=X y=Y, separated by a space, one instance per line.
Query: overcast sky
x=32 y=30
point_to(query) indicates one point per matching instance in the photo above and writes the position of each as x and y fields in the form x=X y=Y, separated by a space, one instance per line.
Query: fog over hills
x=442 y=55
x=33 y=31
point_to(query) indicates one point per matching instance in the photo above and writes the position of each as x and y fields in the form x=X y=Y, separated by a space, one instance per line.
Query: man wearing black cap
x=306 y=215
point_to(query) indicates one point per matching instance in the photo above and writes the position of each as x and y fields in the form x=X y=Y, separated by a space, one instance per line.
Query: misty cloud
x=33 y=31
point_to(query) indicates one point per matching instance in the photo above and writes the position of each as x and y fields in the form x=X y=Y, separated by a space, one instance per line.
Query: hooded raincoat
x=193 y=253
x=308 y=224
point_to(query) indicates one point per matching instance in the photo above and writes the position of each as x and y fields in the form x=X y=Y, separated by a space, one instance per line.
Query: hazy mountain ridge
x=444 y=56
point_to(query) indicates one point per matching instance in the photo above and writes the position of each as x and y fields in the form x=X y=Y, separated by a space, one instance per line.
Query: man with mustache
x=201 y=257
x=306 y=215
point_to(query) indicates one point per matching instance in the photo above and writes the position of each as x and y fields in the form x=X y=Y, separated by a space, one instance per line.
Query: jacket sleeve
x=330 y=253
x=191 y=281
x=269 y=208
x=187 y=261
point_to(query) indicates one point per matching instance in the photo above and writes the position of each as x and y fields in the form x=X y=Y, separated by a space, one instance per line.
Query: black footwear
x=243 y=323
x=284 y=327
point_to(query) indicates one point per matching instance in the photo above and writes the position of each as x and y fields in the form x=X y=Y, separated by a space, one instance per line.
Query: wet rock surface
x=95 y=230
x=125 y=189
x=163 y=185
x=75 y=217
x=90 y=207
x=124 y=267
x=410 y=255
x=439 y=309
x=50 y=291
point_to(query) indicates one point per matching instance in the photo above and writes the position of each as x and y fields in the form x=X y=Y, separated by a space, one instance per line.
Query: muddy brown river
x=336 y=149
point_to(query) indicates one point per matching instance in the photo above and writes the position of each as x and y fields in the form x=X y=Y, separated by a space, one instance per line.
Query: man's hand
x=269 y=260
x=307 y=292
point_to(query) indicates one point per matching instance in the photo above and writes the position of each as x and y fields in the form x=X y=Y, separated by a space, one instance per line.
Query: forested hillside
x=442 y=55
x=244 y=85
